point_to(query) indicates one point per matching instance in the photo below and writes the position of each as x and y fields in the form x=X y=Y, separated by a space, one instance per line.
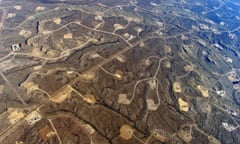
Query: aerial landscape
x=120 y=72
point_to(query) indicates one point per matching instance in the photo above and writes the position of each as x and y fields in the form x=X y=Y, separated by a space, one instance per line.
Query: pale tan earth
x=183 y=105
x=61 y=96
x=177 y=87
x=40 y=8
x=126 y=132
x=203 y=90
x=18 y=7
x=1 y=89
x=68 y=36
x=25 y=33
x=15 y=115
x=122 y=99
x=57 y=21
x=119 y=72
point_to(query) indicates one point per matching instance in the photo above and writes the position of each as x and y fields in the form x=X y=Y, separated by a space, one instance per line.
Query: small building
x=16 y=47
x=46 y=133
